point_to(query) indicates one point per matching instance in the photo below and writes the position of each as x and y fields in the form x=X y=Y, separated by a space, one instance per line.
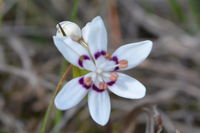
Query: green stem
x=73 y=15
x=49 y=109
x=47 y=114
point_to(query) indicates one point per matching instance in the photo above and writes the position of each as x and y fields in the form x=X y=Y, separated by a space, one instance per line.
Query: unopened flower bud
x=70 y=29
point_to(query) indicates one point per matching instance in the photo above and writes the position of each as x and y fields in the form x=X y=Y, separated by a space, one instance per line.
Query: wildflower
x=104 y=70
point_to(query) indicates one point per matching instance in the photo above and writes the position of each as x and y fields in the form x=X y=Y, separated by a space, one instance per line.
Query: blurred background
x=31 y=66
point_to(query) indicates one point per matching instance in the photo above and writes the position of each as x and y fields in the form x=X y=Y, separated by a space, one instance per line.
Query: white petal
x=105 y=64
x=99 y=106
x=71 y=50
x=89 y=65
x=134 y=53
x=70 y=95
x=128 y=87
x=95 y=35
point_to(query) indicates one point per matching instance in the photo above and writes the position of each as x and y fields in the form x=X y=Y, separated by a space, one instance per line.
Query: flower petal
x=72 y=51
x=105 y=64
x=95 y=35
x=134 y=53
x=99 y=106
x=70 y=95
x=128 y=87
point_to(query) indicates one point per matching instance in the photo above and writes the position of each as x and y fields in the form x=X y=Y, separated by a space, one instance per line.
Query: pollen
x=108 y=56
x=88 y=81
x=123 y=64
x=113 y=76
x=81 y=58
x=102 y=86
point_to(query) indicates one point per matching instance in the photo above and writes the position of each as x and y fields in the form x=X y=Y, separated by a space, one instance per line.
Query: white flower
x=104 y=71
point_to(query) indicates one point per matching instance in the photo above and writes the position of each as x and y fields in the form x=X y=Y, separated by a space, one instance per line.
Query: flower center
x=103 y=74
x=99 y=71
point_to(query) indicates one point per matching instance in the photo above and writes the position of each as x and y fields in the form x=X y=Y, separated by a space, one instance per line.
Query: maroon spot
x=116 y=68
x=82 y=58
x=111 y=83
x=97 y=55
x=85 y=57
x=103 y=52
x=115 y=59
x=94 y=87
x=80 y=63
x=81 y=81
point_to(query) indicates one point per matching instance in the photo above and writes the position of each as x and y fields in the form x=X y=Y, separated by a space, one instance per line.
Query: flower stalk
x=49 y=109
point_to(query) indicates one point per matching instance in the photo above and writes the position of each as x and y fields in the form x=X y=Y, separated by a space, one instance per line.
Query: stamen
x=84 y=83
x=123 y=64
x=112 y=67
x=108 y=56
x=113 y=76
x=102 y=86
x=88 y=81
x=81 y=41
x=81 y=58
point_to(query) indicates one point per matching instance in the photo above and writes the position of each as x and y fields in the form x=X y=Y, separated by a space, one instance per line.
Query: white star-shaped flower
x=104 y=68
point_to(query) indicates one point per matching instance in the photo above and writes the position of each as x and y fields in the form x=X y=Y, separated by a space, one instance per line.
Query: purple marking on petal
x=85 y=57
x=94 y=87
x=82 y=58
x=86 y=86
x=97 y=55
x=80 y=62
x=111 y=83
x=116 y=68
x=115 y=59
x=81 y=81
x=103 y=52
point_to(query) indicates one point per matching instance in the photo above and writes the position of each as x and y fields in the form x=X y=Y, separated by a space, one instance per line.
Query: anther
x=102 y=86
x=88 y=81
x=113 y=76
x=108 y=56
x=123 y=64
x=81 y=58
